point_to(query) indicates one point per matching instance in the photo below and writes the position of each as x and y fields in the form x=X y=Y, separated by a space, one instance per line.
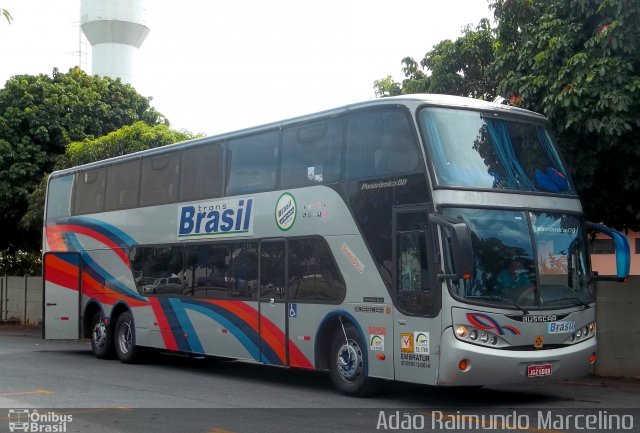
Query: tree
x=128 y=139
x=5 y=13
x=579 y=64
x=461 y=67
x=39 y=116
x=576 y=62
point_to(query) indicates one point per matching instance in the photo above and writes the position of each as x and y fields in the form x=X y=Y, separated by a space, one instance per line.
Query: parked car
x=164 y=285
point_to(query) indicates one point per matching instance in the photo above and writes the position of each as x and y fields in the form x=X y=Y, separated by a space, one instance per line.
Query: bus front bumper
x=488 y=366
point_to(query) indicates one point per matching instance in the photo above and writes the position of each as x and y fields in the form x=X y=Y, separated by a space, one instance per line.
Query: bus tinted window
x=122 y=185
x=158 y=270
x=244 y=281
x=311 y=154
x=202 y=172
x=252 y=163
x=272 y=271
x=89 y=192
x=381 y=143
x=313 y=275
x=58 y=203
x=208 y=270
x=160 y=176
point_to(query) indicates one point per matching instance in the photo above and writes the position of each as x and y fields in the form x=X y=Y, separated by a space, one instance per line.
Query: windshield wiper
x=499 y=298
x=572 y=298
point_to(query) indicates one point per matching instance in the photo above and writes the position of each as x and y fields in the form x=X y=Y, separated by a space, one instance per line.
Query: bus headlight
x=481 y=337
x=583 y=333
x=461 y=331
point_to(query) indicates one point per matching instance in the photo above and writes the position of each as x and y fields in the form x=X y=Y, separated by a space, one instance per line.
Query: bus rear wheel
x=101 y=340
x=125 y=339
x=348 y=364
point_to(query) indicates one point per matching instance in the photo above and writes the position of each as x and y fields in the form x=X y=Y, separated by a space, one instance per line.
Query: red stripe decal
x=163 y=323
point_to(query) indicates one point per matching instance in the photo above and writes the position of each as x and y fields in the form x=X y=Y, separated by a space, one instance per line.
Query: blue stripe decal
x=250 y=343
x=186 y=325
x=99 y=274
x=71 y=258
x=119 y=237
x=175 y=325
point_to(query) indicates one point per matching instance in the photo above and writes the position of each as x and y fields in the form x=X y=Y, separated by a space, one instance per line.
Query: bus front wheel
x=348 y=364
x=125 y=339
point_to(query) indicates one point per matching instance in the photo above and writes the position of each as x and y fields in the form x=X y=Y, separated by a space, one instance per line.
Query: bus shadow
x=396 y=392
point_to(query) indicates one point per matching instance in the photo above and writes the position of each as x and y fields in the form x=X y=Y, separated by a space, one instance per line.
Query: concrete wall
x=618 y=307
x=21 y=299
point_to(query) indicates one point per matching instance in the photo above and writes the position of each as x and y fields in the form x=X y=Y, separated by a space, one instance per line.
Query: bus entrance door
x=417 y=324
x=273 y=303
x=61 y=278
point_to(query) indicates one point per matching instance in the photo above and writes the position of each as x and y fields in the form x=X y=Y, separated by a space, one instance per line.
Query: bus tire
x=101 y=339
x=348 y=364
x=125 y=339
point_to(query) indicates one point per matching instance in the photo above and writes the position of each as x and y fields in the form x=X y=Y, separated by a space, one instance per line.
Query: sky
x=214 y=66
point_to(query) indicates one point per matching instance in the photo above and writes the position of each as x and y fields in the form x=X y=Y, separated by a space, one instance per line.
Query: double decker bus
x=429 y=239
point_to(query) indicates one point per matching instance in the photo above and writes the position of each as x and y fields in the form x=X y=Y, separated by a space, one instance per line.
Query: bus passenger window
x=272 y=278
x=59 y=197
x=381 y=143
x=313 y=274
x=160 y=176
x=158 y=270
x=122 y=185
x=201 y=172
x=208 y=270
x=252 y=163
x=89 y=192
x=244 y=283
x=311 y=154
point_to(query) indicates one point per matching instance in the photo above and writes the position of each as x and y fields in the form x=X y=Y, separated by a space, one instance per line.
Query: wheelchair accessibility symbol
x=293 y=310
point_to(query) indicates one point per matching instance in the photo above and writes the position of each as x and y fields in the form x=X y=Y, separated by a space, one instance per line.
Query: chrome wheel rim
x=99 y=335
x=349 y=361
x=125 y=337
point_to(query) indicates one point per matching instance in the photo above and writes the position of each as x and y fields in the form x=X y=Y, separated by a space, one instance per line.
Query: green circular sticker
x=285 y=211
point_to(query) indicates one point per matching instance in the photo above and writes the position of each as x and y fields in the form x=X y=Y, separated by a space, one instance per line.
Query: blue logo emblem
x=293 y=310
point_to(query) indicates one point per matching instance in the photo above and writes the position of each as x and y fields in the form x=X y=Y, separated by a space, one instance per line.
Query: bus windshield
x=511 y=270
x=484 y=151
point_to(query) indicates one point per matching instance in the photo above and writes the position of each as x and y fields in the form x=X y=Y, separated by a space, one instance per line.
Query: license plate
x=539 y=370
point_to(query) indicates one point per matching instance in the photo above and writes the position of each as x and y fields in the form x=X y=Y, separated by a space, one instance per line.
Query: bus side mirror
x=623 y=255
x=460 y=244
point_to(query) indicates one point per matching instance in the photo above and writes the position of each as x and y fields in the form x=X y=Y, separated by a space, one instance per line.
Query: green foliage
x=579 y=64
x=39 y=116
x=127 y=139
x=576 y=62
x=460 y=67
x=5 y=13
x=20 y=262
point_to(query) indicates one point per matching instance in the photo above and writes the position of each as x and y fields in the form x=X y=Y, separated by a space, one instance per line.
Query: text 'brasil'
x=216 y=218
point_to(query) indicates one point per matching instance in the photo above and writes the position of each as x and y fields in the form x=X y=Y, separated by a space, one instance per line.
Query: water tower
x=115 y=29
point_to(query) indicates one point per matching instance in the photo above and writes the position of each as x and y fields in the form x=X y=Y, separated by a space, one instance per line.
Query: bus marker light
x=64 y=318
x=466 y=276
x=592 y=358
x=463 y=365
x=381 y=356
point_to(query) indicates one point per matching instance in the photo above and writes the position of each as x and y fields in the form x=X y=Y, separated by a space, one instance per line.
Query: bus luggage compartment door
x=61 y=309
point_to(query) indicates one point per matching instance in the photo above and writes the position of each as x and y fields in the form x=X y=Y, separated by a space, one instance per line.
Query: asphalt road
x=176 y=394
